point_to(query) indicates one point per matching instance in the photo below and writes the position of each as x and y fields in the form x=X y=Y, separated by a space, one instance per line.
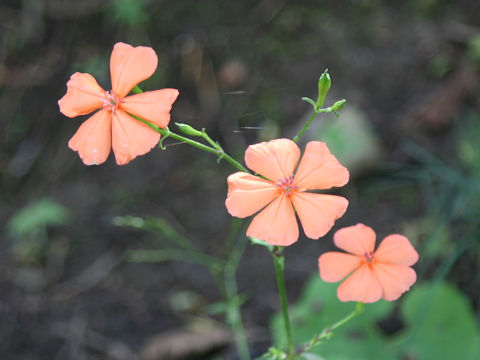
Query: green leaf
x=441 y=324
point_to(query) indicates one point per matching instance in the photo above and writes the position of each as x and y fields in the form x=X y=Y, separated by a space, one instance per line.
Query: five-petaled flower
x=384 y=273
x=113 y=125
x=281 y=191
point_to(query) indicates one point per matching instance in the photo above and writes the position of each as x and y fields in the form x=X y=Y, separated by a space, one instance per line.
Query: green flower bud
x=188 y=130
x=324 y=83
x=338 y=105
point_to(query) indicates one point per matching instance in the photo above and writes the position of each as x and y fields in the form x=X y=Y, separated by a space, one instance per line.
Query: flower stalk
x=324 y=83
x=300 y=133
x=221 y=154
x=279 y=260
x=327 y=332
x=234 y=317
x=215 y=148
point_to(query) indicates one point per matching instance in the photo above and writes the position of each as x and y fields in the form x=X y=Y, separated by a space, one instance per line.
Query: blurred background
x=409 y=133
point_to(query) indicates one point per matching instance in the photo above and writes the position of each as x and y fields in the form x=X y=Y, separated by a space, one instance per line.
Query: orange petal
x=83 y=96
x=319 y=169
x=131 y=137
x=153 y=106
x=395 y=279
x=275 y=159
x=361 y=286
x=396 y=249
x=334 y=266
x=93 y=138
x=358 y=239
x=130 y=65
x=276 y=224
x=318 y=212
x=248 y=194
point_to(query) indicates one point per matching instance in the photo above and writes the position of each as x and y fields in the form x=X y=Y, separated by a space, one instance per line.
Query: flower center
x=368 y=256
x=111 y=101
x=286 y=185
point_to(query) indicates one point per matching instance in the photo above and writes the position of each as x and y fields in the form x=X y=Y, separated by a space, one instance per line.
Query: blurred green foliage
x=468 y=135
x=28 y=228
x=132 y=13
x=439 y=65
x=474 y=49
x=95 y=65
x=318 y=308
x=439 y=324
x=351 y=138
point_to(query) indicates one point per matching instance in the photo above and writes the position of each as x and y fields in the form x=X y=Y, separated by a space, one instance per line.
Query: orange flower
x=385 y=273
x=282 y=191
x=113 y=125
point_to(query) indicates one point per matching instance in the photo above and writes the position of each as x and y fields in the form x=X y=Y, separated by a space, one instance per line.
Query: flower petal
x=358 y=239
x=319 y=169
x=396 y=249
x=153 y=106
x=334 y=266
x=318 y=212
x=395 y=279
x=362 y=286
x=276 y=224
x=248 y=194
x=93 y=138
x=131 y=137
x=130 y=65
x=83 y=96
x=275 y=159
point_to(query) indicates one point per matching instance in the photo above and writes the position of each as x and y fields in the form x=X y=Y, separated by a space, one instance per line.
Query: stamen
x=286 y=185
x=111 y=101
x=368 y=256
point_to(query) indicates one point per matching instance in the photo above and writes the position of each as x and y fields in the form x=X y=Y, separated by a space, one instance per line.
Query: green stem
x=358 y=309
x=327 y=332
x=215 y=149
x=279 y=261
x=234 y=316
x=300 y=133
x=219 y=151
x=208 y=139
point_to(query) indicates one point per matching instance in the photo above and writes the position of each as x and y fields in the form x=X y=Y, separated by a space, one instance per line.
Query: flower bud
x=188 y=130
x=324 y=83
x=338 y=105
